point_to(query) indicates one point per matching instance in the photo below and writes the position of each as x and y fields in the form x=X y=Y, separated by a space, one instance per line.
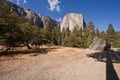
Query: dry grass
x=24 y=56
x=52 y=63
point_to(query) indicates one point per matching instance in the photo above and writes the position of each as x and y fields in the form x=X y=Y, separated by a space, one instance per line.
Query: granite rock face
x=72 y=20
x=98 y=44
x=45 y=19
x=38 y=19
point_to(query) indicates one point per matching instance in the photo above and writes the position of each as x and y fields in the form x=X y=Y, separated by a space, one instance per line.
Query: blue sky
x=101 y=12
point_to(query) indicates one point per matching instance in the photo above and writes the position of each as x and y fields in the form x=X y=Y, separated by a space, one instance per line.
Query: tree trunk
x=28 y=46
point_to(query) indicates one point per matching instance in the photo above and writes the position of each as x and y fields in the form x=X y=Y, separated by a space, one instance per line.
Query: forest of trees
x=84 y=37
x=15 y=30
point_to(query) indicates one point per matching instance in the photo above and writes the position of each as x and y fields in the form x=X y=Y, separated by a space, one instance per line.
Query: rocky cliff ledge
x=72 y=20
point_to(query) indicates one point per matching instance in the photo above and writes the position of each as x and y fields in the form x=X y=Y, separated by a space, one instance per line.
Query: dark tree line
x=16 y=31
x=83 y=37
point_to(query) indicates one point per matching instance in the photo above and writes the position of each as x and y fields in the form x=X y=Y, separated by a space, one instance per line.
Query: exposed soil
x=58 y=63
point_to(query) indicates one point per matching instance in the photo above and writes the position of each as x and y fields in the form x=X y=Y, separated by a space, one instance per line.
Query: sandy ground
x=58 y=64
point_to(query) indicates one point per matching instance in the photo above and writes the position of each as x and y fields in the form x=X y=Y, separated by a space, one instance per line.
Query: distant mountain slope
x=70 y=20
x=38 y=19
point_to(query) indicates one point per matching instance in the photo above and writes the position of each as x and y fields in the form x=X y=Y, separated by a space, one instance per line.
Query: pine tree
x=88 y=34
x=110 y=33
x=103 y=35
x=97 y=32
x=116 y=40
x=48 y=30
x=63 y=37
x=67 y=36
x=56 y=35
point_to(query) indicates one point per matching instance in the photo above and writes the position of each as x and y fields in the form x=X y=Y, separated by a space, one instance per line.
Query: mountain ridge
x=38 y=19
x=41 y=20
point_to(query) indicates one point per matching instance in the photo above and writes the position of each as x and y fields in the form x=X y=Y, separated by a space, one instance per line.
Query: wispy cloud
x=54 y=5
x=25 y=1
x=18 y=2
x=59 y=19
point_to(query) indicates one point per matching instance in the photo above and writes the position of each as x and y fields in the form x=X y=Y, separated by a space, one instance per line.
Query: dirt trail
x=59 y=64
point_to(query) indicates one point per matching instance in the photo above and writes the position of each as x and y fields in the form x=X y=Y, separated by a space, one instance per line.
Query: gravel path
x=61 y=64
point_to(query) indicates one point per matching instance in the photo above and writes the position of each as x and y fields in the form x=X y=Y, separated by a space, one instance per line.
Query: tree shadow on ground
x=109 y=58
x=12 y=53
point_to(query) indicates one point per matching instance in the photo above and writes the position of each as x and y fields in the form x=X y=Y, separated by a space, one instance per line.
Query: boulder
x=98 y=44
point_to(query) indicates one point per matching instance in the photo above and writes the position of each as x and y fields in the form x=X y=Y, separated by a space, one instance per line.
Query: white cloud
x=25 y=1
x=54 y=5
x=18 y=2
x=58 y=9
x=59 y=20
